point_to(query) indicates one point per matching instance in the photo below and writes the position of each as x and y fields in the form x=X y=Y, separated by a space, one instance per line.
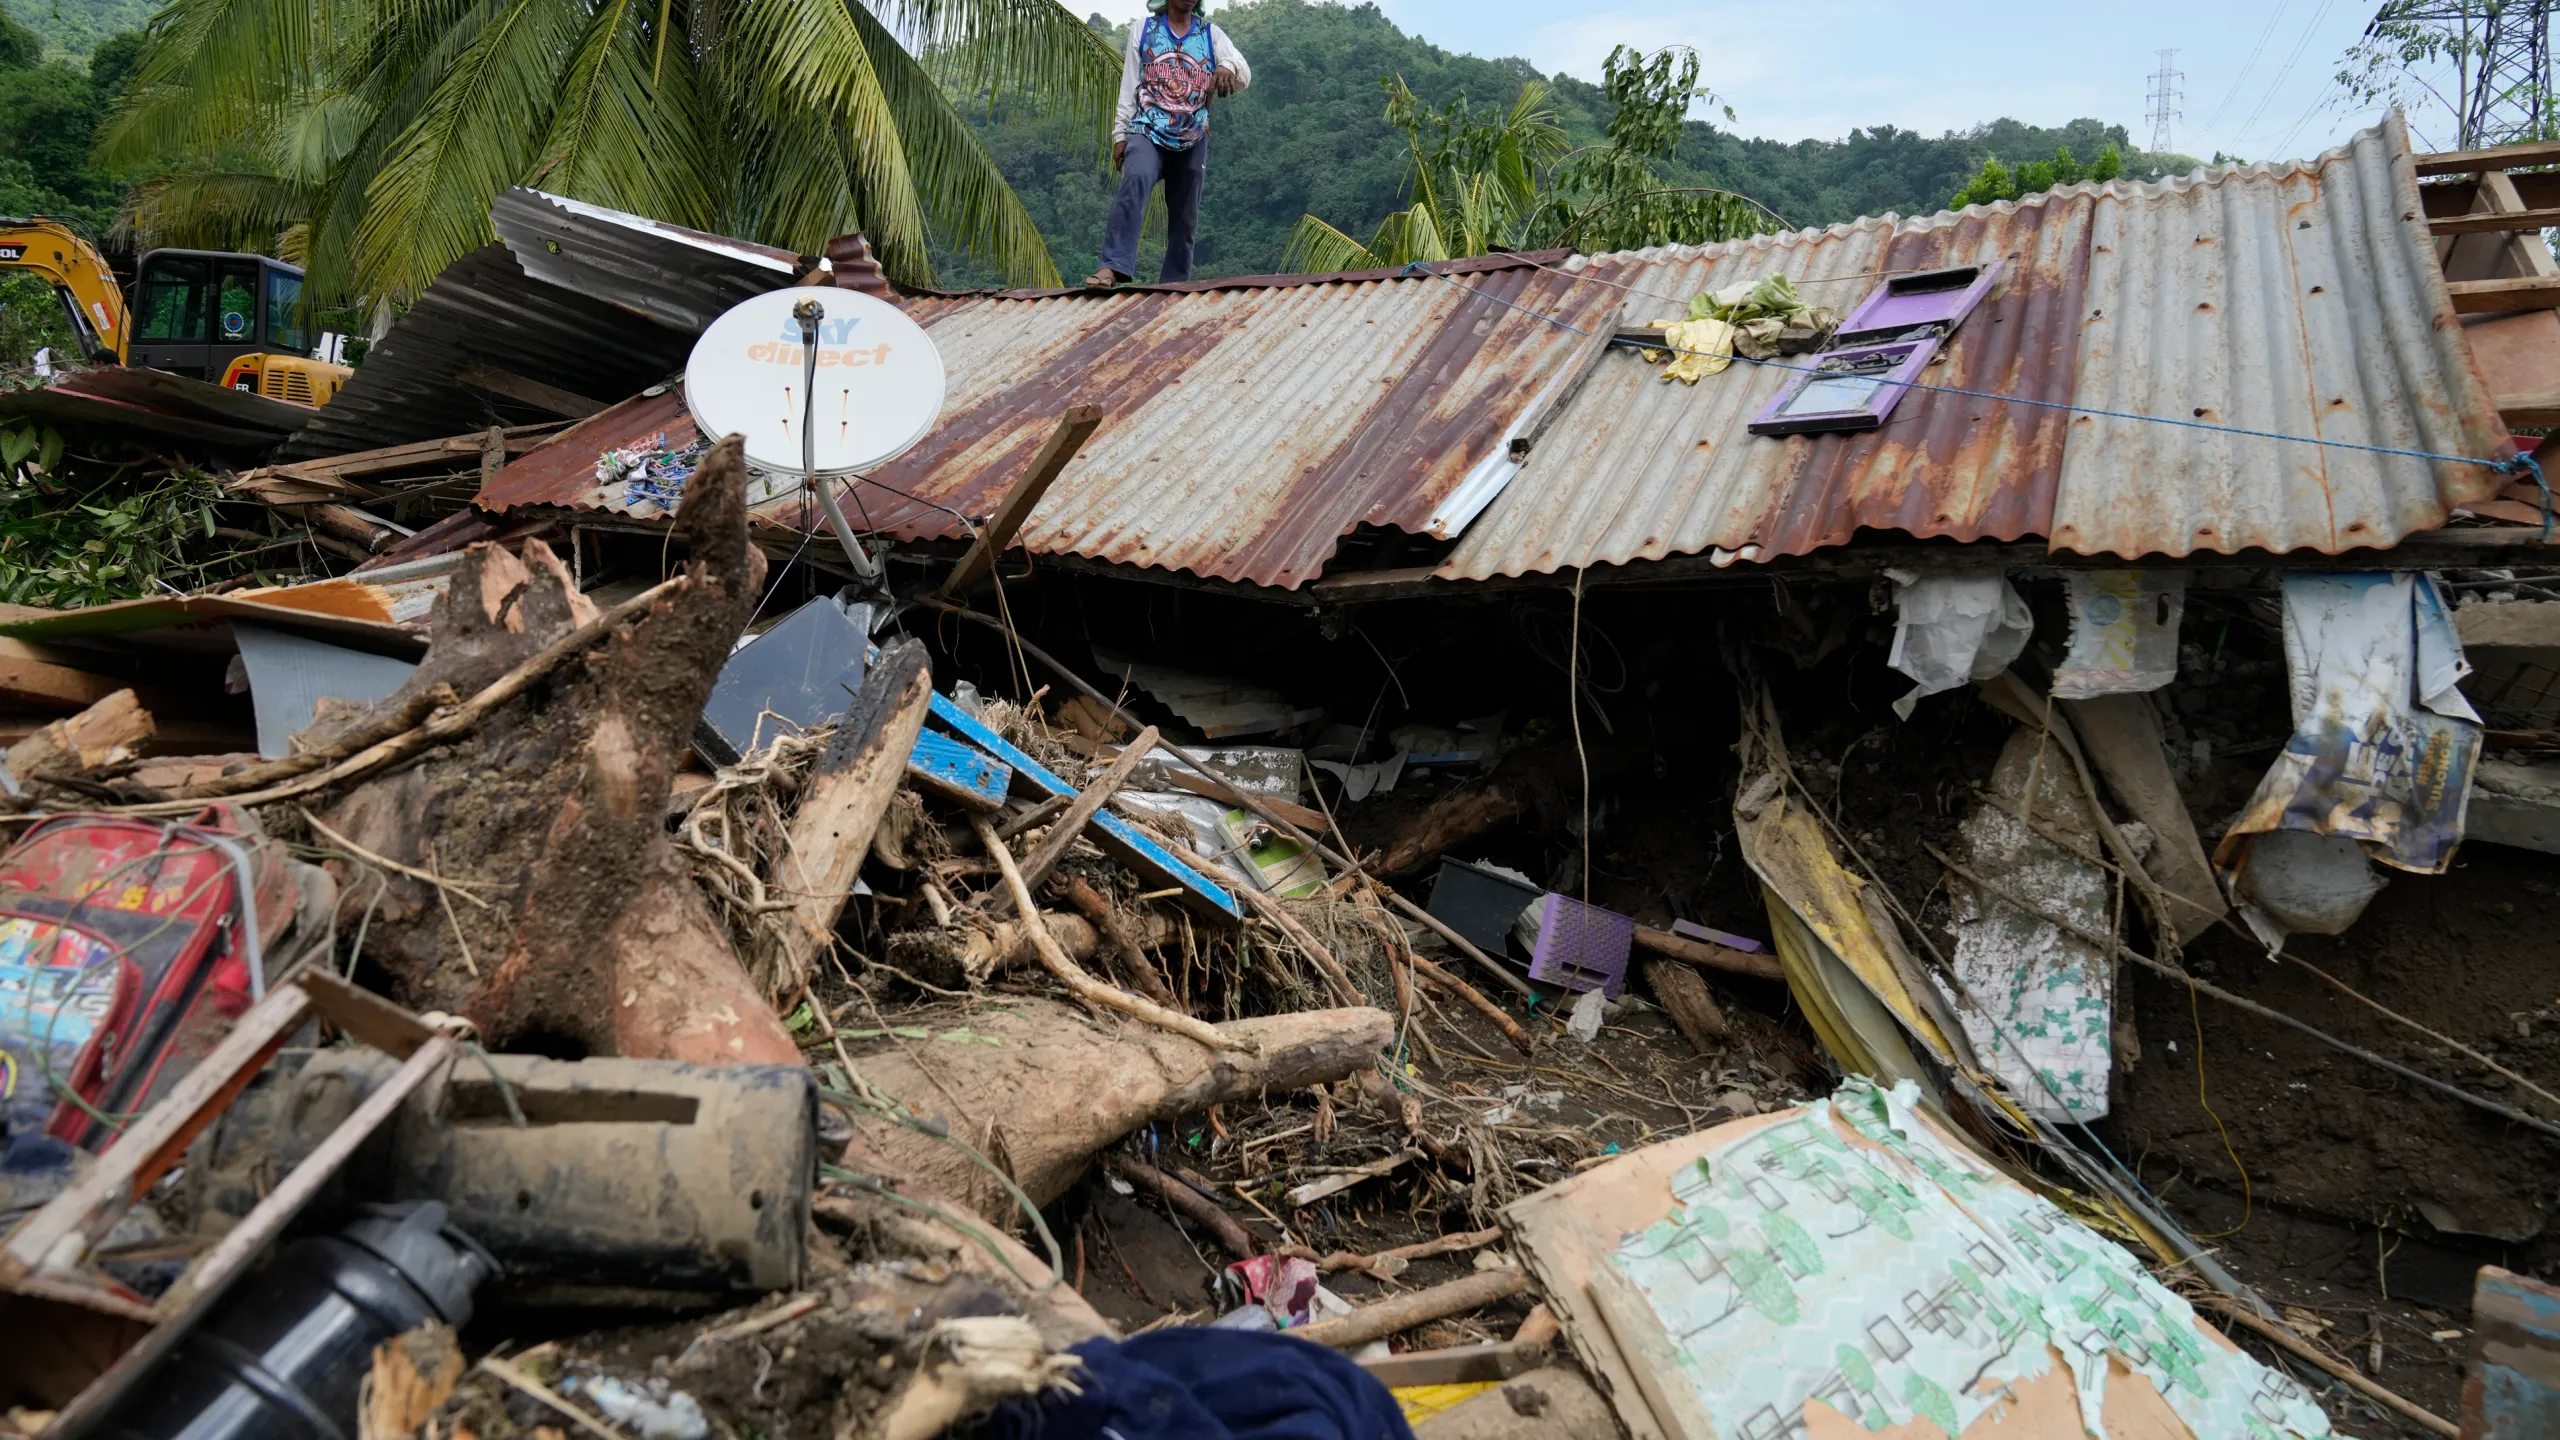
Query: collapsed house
x=2033 y=736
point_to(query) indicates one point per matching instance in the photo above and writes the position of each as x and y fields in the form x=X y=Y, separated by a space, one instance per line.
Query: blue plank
x=1121 y=840
x=960 y=772
x=2513 y=1392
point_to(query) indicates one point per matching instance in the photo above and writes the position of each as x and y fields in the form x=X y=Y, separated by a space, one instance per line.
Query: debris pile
x=978 y=939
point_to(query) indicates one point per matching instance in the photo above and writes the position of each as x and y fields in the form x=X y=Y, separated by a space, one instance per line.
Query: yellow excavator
x=212 y=315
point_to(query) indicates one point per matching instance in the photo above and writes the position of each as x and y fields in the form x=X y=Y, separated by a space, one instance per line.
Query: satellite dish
x=879 y=388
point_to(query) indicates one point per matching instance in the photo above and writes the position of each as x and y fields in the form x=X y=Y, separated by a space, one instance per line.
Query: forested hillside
x=1310 y=138
x=73 y=29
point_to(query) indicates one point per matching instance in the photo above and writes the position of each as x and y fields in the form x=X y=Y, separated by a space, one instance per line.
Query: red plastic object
x=124 y=956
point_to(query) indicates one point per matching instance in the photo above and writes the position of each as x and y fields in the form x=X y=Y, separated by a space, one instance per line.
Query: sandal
x=1105 y=278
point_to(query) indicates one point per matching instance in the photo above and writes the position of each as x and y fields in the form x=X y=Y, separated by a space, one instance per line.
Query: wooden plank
x=90 y=1207
x=1053 y=845
x=1074 y=428
x=241 y=1244
x=524 y=389
x=1117 y=837
x=2513 y=1388
x=1456 y=1365
x=366 y=1016
x=1311 y=821
x=2490 y=297
x=844 y=797
x=30 y=677
x=1686 y=999
x=1714 y=957
x=2541 y=411
x=959 y=772
x=2490 y=222
x=2496 y=157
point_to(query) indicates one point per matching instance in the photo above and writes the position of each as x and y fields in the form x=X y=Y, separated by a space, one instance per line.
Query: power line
x=2167 y=89
x=2250 y=64
x=2276 y=86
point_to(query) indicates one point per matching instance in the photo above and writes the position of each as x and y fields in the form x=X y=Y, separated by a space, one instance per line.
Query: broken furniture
x=84 y=1339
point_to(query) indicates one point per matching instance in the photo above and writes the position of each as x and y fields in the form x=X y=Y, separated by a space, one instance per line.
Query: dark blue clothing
x=1200 y=1384
x=1183 y=173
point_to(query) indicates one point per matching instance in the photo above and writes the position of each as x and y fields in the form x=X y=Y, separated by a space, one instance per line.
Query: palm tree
x=371 y=135
x=1514 y=183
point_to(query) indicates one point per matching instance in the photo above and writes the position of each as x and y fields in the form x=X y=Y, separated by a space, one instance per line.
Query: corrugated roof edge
x=1472 y=265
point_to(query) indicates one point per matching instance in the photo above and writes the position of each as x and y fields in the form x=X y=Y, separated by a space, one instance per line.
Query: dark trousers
x=1182 y=172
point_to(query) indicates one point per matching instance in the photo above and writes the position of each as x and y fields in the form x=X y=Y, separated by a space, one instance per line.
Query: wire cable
x=2524 y=465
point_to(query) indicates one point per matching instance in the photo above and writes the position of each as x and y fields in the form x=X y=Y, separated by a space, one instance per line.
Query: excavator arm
x=87 y=288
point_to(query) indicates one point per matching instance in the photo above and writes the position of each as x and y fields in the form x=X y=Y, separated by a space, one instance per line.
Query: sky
x=2258 y=74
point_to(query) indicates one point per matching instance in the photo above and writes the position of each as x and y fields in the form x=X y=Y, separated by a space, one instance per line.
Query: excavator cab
x=196 y=311
x=229 y=318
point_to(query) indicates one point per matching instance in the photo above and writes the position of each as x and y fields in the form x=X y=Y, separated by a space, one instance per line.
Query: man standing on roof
x=1176 y=61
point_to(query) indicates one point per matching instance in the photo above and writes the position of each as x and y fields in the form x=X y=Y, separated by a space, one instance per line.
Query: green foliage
x=20 y=47
x=1310 y=138
x=1512 y=183
x=31 y=318
x=1993 y=182
x=378 y=131
x=74 y=29
x=1989 y=186
x=68 y=541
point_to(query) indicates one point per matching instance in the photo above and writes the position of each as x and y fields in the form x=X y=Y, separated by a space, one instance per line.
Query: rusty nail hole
x=2319 y=289
x=524 y=1199
x=2204 y=305
x=2199 y=410
x=755 y=1199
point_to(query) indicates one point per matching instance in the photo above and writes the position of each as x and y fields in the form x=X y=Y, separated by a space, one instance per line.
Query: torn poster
x=2383 y=741
x=2045 y=999
x=1847 y=1256
x=1954 y=627
x=2124 y=632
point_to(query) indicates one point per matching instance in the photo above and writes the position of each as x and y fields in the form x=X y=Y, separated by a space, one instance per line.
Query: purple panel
x=1582 y=947
x=1713 y=936
x=1931 y=297
x=1847 y=389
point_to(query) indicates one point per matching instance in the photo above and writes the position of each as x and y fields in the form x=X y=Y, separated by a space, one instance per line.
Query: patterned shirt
x=1167 y=81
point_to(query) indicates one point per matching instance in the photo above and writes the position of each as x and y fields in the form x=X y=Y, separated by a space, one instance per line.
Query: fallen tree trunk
x=1043 y=1087
x=553 y=800
x=104 y=734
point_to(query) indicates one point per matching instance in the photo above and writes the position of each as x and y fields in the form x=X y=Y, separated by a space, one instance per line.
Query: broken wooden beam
x=962 y=774
x=2492 y=222
x=525 y=390
x=1714 y=957
x=107 y=732
x=1200 y=1209
x=1074 y=428
x=2490 y=297
x=1686 y=1000
x=1118 y=838
x=841 y=803
x=1380 y=1319
x=1053 y=845
x=2495 y=157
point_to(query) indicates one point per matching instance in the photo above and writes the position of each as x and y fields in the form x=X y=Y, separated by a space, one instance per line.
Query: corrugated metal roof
x=683 y=279
x=1249 y=425
x=2301 y=299
x=485 y=310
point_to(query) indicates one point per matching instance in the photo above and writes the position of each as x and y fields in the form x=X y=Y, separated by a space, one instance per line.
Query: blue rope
x=2520 y=465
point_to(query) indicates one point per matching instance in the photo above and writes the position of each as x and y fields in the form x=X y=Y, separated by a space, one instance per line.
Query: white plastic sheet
x=1956 y=627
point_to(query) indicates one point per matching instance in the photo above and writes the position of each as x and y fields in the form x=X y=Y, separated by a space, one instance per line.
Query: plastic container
x=1480 y=902
x=283 y=1358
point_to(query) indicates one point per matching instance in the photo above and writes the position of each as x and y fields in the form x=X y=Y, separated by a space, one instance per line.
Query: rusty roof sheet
x=1250 y=425
x=2299 y=299
x=1247 y=426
